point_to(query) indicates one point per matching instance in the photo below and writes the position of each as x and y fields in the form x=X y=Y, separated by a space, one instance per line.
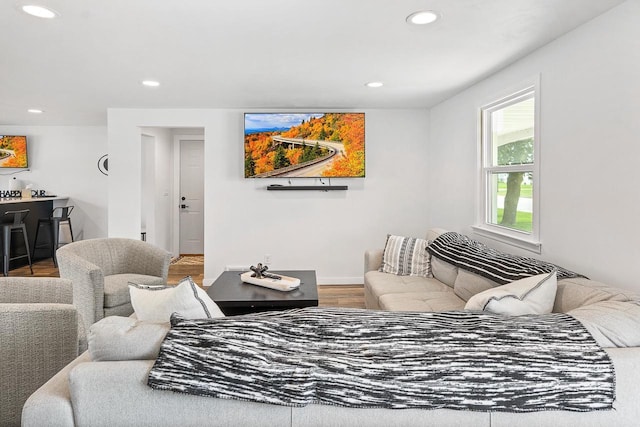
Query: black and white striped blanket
x=362 y=358
x=501 y=267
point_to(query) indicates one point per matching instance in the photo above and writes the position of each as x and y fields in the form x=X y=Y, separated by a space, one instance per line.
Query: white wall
x=325 y=231
x=63 y=160
x=590 y=128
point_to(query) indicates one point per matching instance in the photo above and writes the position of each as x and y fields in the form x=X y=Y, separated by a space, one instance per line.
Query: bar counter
x=9 y=200
x=39 y=207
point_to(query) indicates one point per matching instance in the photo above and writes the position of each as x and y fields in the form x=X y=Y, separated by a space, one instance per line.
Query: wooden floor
x=329 y=295
x=341 y=296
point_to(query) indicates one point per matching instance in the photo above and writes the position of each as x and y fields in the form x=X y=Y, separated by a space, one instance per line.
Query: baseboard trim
x=359 y=280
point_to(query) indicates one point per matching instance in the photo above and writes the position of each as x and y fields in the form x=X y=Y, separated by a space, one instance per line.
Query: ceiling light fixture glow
x=39 y=11
x=151 y=83
x=35 y=111
x=423 y=17
x=374 y=84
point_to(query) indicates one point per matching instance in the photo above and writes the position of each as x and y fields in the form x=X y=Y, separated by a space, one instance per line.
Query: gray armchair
x=100 y=270
x=38 y=337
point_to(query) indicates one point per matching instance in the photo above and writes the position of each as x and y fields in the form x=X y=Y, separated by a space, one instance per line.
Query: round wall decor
x=103 y=164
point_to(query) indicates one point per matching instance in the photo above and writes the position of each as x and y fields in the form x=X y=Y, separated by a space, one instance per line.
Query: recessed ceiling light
x=39 y=11
x=151 y=83
x=374 y=84
x=423 y=17
x=35 y=111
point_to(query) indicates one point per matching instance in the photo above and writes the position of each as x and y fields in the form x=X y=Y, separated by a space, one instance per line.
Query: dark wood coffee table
x=236 y=297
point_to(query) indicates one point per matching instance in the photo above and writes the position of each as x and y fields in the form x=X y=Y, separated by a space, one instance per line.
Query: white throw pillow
x=406 y=256
x=157 y=303
x=532 y=295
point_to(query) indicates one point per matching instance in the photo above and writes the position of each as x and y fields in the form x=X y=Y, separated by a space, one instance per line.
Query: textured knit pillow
x=532 y=295
x=156 y=303
x=406 y=256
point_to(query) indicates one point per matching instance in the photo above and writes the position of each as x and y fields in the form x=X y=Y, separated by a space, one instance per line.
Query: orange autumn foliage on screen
x=14 y=151
x=294 y=155
x=351 y=133
x=345 y=128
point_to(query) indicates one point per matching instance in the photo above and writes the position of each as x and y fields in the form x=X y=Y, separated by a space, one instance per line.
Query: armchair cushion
x=116 y=287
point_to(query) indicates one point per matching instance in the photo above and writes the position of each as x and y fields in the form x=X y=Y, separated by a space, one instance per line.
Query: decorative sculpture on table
x=259 y=276
x=259 y=272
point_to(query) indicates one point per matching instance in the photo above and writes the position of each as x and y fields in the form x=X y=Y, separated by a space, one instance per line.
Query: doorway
x=191 y=196
x=147 y=199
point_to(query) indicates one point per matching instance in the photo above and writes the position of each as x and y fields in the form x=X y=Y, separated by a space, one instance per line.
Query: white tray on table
x=284 y=283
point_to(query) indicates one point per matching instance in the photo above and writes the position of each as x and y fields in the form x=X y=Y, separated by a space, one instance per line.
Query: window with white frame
x=509 y=164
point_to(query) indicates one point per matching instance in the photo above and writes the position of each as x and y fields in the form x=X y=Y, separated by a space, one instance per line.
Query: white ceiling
x=261 y=53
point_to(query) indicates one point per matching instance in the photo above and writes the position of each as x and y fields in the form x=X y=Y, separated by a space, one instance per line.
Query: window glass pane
x=511 y=200
x=512 y=134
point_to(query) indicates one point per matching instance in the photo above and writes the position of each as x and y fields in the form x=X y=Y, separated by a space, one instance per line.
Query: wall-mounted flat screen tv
x=13 y=151
x=304 y=145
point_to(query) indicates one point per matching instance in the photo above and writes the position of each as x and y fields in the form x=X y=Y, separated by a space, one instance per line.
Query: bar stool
x=59 y=215
x=13 y=221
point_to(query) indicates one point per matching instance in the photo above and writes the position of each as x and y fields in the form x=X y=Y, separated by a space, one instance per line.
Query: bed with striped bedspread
x=362 y=358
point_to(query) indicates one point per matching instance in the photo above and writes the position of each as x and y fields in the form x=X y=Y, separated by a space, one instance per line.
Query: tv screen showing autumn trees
x=13 y=151
x=311 y=145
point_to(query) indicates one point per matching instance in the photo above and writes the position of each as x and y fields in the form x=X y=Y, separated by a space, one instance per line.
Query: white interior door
x=191 y=197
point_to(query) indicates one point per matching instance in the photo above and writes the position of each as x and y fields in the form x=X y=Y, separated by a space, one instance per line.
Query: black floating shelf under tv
x=276 y=187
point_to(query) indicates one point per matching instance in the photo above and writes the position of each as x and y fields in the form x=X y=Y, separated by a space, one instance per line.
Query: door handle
x=184 y=206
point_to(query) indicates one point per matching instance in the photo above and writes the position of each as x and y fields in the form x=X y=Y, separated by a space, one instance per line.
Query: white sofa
x=451 y=287
x=114 y=393
x=98 y=392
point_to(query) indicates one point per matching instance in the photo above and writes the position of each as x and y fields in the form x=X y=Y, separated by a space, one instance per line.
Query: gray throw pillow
x=125 y=338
